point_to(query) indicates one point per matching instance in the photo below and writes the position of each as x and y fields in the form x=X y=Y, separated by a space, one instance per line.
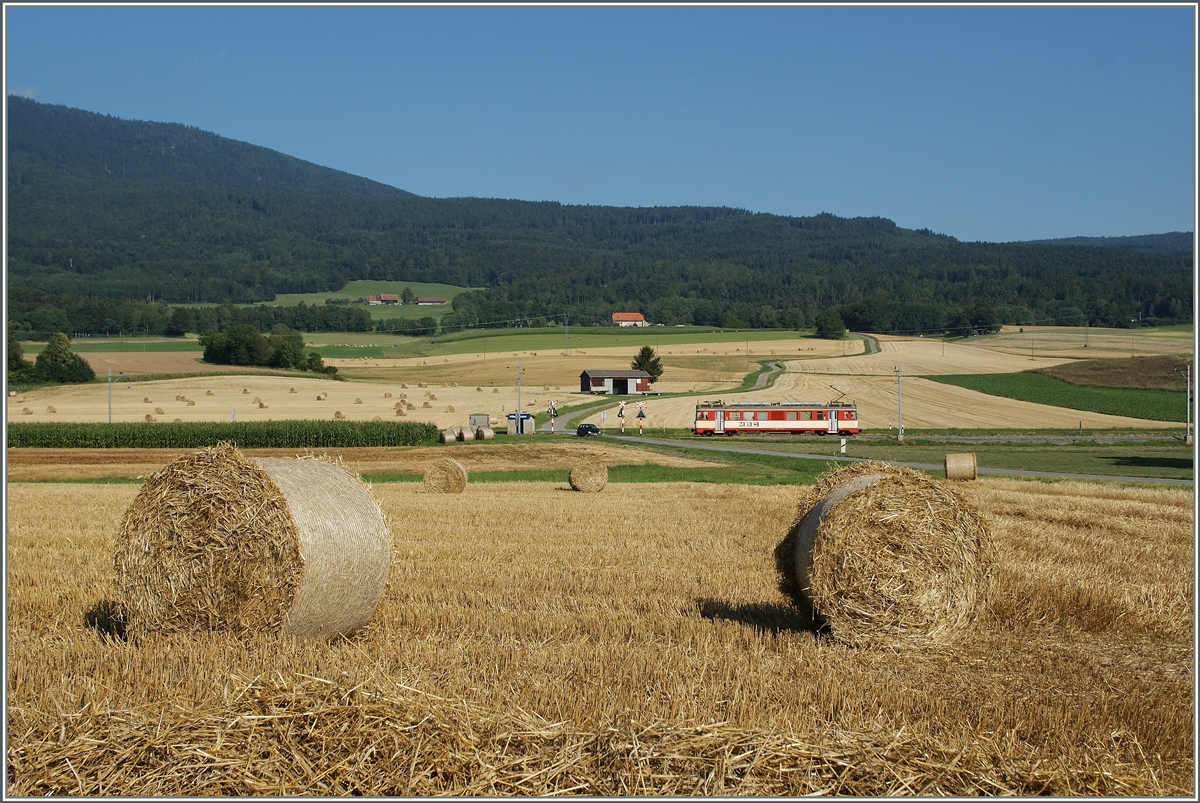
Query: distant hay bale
x=588 y=475
x=217 y=541
x=158 y=411
x=445 y=476
x=961 y=466
x=432 y=397
x=292 y=390
x=257 y=400
x=403 y=386
x=191 y=403
x=376 y=418
x=485 y=434
x=387 y=395
x=410 y=406
x=178 y=420
x=495 y=390
x=426 y=404
x=209 y=393
x=449 y=408
x=545 y=387
x=885 y=555
x=422 y=385
x=27 y=411
x=262 y=405
x=321 y=396
x=150 y=419
x=147 y=400
x=51 y=409
x=401 y=411
x=358 y=401
x=245 y=391
x=479 y=390
x=453 y=384
x=399 y=405
x=466 y=434
x=339 y=415
x=12 y=393
x=181 y=398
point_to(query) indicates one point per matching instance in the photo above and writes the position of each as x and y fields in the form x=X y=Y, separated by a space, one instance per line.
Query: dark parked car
x=587 y=429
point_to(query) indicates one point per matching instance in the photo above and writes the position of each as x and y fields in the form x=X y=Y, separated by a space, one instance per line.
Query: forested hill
x=102 y=208
x=1173 y=243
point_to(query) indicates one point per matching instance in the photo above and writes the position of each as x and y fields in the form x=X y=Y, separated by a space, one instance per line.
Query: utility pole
x=110 y=394
x=1187 y=438
x=520 y=428
x=566 y=336
x=899 y=409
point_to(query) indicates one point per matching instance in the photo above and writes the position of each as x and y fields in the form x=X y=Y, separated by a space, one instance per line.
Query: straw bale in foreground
x=588 y=475
x=445 y=476
x=447 y=436
x=886 y=555
x=485 y=434
x=466 y=434
x=217 y=541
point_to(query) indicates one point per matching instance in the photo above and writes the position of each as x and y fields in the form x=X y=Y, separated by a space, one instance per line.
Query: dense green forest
x=112 y=222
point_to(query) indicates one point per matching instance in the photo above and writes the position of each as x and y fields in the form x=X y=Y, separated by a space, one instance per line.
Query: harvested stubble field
x=529 y=643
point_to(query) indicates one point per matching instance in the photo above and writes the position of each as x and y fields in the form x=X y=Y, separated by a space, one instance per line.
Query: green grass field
x=105 y=344
x=1154 y=405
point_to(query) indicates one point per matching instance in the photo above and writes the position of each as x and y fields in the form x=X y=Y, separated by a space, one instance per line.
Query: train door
x=833 y=421
x=719 y=424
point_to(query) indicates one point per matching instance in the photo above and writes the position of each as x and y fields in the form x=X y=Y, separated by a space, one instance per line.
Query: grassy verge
x=1153 y=405
x=1160 y=459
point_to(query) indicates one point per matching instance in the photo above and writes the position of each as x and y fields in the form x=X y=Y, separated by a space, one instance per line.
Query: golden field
x=533 y=640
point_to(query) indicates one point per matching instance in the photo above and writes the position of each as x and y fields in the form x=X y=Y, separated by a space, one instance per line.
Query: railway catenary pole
x=520 y=430
x=1187 y=438
x=110 y=394
x=899 y=409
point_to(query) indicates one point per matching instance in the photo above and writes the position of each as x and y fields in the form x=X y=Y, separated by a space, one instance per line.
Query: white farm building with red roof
x=629 y=319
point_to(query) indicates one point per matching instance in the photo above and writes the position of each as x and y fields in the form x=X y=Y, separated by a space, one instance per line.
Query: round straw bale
x=245 y=391
x=27 y=411
x=376 y=418
x=12 y=393
x=447 y=436
x=400 y=411
x=292 y=390
x=885 y=555
x=180 y=398
x=426 y=404
x=588 y=475
x=449 y=408
x=147 y=400
x=484 y=434
x=422 y=385
x=410 y=406
x=479 y=389
x=257 y=400
x=51 y=409
x=495 y=390
x=358 y=401
x=158 y=411
x=150 y=418
x=445 y=476
x=339 y=415
x=403 y=385
x=262 y=405
x=466 y=434
x=387 y=395
x=178 y=420
x=321 y=396
x=209 y=393
x=432 y=397
x=218 y=541
x=961 y=466
x=191 y=403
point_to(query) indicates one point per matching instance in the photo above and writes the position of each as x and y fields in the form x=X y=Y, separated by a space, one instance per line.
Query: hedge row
x=245 y=435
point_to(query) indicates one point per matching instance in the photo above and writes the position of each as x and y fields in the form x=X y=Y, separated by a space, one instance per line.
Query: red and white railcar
x=728 y=418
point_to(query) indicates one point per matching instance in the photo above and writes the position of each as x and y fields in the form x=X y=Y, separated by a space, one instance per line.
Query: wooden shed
x=615 y=382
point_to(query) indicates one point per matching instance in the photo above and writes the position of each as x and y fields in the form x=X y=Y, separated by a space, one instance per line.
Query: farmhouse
x=618 y=383
x=389 y=298
x=629 y=319
x=426 y=302
x=373 y=300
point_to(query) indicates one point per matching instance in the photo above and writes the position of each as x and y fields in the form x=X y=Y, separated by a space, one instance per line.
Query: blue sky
x=984 y=123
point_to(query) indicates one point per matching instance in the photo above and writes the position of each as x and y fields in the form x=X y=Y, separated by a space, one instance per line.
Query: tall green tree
x=830 y=325
x=58 y=364
x=646 y=360
x=407 y=296
x=19 y=368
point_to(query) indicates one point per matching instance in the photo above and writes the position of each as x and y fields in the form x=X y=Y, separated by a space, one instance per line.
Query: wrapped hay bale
x=588 y=475
x=466 y=434
x=961 y=466
x=217 y=541
x=445 y=476
x=886 y=555
x=485 y=434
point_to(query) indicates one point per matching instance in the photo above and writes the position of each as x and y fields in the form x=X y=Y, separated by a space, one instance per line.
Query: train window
x=806 y=415
x=791 y=415
x=734 y=415
x=849 y=415
x=820 y=415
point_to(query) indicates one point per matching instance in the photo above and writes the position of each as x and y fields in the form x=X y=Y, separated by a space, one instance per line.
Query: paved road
x=761 y=382
x=712 y=447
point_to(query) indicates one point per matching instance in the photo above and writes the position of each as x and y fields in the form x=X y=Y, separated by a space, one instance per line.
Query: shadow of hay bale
x=764 y=616
x=108 y=618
